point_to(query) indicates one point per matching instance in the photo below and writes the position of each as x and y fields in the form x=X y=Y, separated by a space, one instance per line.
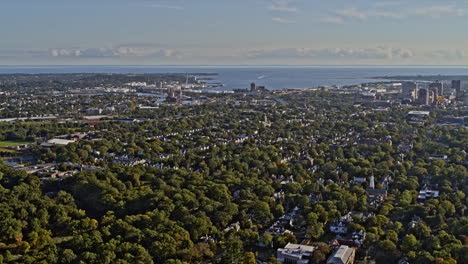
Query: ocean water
x=273 y=77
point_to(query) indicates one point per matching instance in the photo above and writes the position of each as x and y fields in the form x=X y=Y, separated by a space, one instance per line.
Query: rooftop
x=376 y=191
x=295 y=247
x=57 y=141
x=419 y=113
x=341 y=255
x=296 y=252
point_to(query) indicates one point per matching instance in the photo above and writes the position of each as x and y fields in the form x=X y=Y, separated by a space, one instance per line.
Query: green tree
x=410 y=243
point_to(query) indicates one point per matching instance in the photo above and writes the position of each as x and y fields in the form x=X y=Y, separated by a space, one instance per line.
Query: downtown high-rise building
x=457 y=86
x=424 y=96
x=409 y=90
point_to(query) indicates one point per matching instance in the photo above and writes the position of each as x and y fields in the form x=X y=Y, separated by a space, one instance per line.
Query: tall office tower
x=438 y=88
x=423 y=96
x=415 y=92
x=170 y=92
x=253 y=87
x=436 y=85
x=434 y=94
x=408 y=90
x=456 y=85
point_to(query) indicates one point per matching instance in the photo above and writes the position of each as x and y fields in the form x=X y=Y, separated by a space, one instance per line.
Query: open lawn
x=6 y=150
x=5 y=144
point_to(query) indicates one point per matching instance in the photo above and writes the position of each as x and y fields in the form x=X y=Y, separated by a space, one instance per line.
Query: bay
x=273 y=77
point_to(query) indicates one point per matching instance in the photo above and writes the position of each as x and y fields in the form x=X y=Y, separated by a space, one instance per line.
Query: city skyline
x=255 y=32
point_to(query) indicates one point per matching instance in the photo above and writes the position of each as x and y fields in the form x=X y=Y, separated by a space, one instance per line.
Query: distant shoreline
x=240 y=66
x=424 y=78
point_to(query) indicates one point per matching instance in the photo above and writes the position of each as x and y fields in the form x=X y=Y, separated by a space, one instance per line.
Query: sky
x=233 y=32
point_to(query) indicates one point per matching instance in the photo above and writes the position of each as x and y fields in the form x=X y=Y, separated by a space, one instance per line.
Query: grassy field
x=5 y=150
x=5 y=144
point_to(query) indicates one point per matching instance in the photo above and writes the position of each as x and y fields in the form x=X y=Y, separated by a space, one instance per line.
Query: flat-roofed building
x=57 y=141
x=343 y=255
x=417 y=117
x=295 y=254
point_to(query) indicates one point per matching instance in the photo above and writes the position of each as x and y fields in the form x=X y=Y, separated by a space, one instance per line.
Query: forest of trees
x=176 y=209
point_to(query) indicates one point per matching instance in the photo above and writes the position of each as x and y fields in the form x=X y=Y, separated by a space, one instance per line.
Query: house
x=94 y=111
x=343 y=255
x=234 y=226
x=360 y=180
x=278 y=229
x=438 y=157
x=278 y=195
x=294 y=253
x=427 y=193
x=405 y=146
x=414 y=221
x=385 y=181
x=387 y=140
x=339 y=227
x=355 y=240
x=289 y=218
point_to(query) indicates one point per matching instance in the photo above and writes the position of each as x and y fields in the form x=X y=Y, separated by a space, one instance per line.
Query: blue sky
x=256 y=32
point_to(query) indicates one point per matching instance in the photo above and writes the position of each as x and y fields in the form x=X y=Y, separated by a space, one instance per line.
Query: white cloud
x=428 y=11
x=377 y=53
x=438 y=11
x=153 y=53
x=119 y=51
x=282 y=5
x=352 y=13
x=282 y=20
x=447 y=54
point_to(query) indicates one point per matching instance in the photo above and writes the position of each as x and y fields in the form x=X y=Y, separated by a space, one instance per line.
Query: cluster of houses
x=345 y=244
x=280 y=227
x=128 y=160
x=460 y=121
x=428 y=190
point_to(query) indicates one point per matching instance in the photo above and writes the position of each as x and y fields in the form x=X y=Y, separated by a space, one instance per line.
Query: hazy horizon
x=242 y=65
x=245 y=32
